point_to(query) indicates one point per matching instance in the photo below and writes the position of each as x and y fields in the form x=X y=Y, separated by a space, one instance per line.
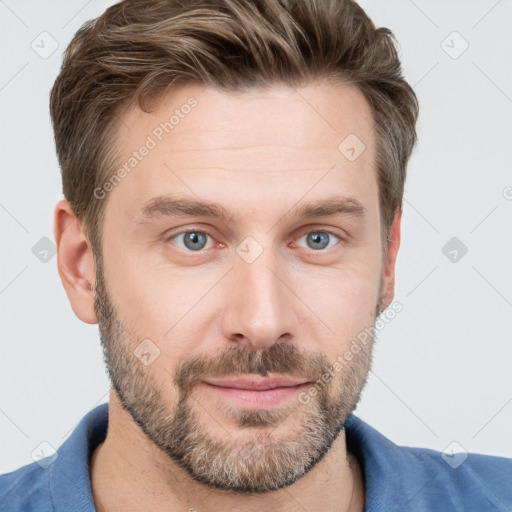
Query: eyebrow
x=169 y=206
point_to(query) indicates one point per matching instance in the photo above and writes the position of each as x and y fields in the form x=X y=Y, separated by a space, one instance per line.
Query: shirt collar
x=381 y=462
x=70 y=482
x=394 y=476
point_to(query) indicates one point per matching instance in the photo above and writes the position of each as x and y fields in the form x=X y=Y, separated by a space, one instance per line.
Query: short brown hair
x=139 y=48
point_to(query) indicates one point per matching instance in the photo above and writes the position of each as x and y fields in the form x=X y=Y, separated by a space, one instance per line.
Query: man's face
x=264 y=292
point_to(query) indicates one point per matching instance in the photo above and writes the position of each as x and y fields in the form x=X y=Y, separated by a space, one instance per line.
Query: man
x=233 y=174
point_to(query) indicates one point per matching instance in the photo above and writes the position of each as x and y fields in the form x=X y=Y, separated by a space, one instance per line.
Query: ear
x=388 y=270
x=75 y=262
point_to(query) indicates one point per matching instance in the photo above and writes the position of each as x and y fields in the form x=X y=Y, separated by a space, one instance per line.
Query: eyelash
x=319 y=251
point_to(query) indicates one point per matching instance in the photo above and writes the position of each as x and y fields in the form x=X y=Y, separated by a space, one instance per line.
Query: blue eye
x=197 y=241
x=319 y=240
x=192 y=240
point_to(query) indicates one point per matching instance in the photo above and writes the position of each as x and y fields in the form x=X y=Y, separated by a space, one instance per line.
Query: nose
x=260 y=308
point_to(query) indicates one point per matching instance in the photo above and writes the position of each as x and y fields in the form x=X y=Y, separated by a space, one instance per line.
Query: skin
x=259 y=153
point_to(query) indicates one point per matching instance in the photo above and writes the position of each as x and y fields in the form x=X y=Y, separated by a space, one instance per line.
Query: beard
x=266 y=453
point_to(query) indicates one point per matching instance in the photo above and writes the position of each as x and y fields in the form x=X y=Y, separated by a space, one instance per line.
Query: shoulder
x=466 y=477
x=421 y=479
x=26 y=488
x=60 y=481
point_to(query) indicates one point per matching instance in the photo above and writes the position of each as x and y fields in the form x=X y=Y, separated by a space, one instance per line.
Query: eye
x=319 y=240
x=191 y=240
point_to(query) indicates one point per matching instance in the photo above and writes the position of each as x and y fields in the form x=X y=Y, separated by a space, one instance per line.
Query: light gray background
x=442 y=366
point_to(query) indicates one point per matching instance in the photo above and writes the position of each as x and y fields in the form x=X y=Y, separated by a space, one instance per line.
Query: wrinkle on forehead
x=315 y=117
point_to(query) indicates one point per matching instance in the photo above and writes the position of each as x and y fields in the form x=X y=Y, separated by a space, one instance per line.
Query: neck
x=128 y=472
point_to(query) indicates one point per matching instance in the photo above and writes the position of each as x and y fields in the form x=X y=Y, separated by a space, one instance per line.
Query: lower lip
x=257 y=399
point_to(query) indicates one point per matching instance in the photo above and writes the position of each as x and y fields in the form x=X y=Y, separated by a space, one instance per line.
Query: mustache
x=279 y=358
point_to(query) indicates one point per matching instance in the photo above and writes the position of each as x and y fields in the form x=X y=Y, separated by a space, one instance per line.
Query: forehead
x=247 y=148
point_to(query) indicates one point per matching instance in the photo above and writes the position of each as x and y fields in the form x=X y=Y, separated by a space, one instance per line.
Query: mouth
x=255 y=392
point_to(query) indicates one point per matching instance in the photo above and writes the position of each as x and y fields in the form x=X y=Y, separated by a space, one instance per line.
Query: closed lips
x=256 y=384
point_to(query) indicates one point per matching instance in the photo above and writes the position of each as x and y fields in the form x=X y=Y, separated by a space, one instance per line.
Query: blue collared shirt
x=397 y=478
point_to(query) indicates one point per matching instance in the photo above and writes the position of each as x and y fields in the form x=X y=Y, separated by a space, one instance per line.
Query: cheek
x=343 y=299
x=162 y=303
